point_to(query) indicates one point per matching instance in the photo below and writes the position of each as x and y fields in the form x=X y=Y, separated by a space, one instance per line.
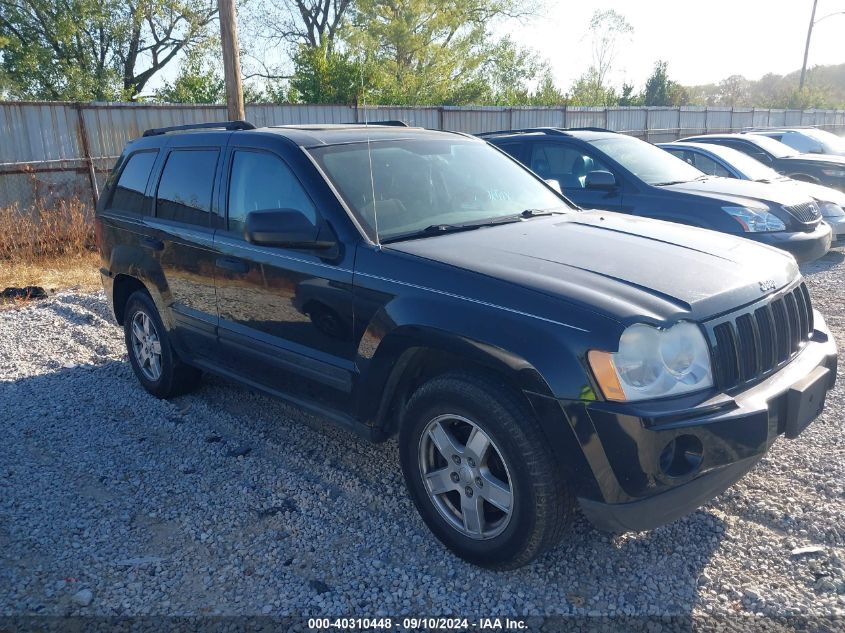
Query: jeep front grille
x=756 y=341
x=806 y=212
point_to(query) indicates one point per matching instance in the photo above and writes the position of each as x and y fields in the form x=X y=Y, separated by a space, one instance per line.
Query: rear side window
x=129 y=192
x=262 y=182
x=186 y=185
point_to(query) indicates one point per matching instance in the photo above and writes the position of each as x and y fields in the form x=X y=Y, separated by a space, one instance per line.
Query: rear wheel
x=151 y=355
x=480 y=473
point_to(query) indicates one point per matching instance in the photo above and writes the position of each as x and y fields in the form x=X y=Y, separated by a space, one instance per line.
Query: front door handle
x=152 y=244
x=232 y=265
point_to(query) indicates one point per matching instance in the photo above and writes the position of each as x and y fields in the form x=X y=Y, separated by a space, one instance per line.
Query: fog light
x=681 y=456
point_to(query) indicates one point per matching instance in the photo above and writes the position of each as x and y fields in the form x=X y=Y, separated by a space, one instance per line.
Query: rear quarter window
x=132 y=184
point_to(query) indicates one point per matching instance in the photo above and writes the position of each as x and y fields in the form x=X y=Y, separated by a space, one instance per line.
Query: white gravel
x=115 y=503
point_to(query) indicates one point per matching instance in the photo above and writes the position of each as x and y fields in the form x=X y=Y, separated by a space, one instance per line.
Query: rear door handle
x=152 y=244
x=233 y=265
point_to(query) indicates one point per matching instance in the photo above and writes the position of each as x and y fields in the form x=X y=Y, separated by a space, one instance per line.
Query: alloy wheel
x=146 y=345
x=466 y=476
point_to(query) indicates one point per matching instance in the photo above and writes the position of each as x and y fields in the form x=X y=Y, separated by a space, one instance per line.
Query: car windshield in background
x=398 y=188
x=751 y=168
x=648 y=162
x=773 y=147
x=831 y=143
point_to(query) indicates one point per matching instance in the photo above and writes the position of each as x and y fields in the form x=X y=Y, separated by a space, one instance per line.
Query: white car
x=718 y=160
x=807 y=140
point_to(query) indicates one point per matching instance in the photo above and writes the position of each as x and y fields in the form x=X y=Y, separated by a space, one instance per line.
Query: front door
x=569 y=165
x=286 y=319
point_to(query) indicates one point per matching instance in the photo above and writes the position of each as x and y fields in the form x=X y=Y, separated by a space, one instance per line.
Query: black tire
x=175 y=377
x=542 y=507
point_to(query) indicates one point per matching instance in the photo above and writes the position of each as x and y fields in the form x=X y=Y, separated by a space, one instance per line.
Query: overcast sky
x=704 y=41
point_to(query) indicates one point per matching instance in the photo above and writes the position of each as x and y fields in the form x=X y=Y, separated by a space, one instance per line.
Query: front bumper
x=804 y=247
x=734 y=432
x=837 y=225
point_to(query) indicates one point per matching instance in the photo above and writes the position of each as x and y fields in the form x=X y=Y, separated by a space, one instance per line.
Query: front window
x=749 y=167
x=773 y=147
x=831 y=144
x=646 y=161
x=396 y=188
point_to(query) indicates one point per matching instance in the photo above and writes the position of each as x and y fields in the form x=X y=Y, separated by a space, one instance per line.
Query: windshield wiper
x=671 y=182
x=533 y=213
x=442 y=229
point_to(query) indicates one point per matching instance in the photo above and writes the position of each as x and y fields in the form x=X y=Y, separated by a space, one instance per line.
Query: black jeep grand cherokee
x=529 y=355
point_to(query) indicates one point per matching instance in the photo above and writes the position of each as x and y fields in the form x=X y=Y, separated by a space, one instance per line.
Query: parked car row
x=726 y=162
x=531 y=357
x=600 y=169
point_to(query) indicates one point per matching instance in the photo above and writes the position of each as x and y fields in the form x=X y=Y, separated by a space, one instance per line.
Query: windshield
x=750 y=168
x=831 y=143
x=407 y=185
x=646 y=161
x=773 y=147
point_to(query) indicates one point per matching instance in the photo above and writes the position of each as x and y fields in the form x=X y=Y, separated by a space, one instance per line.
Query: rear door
x=180 y=237
x=569 y=165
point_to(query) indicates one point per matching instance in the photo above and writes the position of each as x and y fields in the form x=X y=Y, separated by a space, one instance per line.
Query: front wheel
x=480 y=473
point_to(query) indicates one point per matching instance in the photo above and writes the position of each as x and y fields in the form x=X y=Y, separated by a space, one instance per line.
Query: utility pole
x=231 y=60
x=807 y=46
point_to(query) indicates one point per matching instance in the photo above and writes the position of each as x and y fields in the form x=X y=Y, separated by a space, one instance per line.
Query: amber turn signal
x=602 y=365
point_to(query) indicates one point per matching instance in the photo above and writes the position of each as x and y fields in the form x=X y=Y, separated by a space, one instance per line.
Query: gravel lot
x=115 y=503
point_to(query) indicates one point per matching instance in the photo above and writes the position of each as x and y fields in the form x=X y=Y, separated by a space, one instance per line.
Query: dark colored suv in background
x=405 y=281
x=822 y=169
x=600 y=169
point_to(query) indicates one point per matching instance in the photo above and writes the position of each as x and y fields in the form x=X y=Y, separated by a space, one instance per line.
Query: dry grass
x=53 y=274
x=42 y=232
x=50 y=246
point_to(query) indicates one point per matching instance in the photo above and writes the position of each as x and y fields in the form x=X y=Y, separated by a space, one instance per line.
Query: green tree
x=628 y=98
x=197 y=82
x=321 y=76
x=429 y=51
x=95 y=49
x=588 y=90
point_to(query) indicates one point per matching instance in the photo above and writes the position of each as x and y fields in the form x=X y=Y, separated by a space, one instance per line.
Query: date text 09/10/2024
x=413 y=624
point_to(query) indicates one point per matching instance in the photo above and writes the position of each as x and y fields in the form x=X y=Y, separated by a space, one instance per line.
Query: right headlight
x=654 y=363
x=831 y=210
x=754 y=220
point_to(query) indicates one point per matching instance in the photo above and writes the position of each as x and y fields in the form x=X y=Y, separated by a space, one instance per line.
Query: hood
x=627 y=267
x=819 y=192
x=734 y=190
x=822 y=160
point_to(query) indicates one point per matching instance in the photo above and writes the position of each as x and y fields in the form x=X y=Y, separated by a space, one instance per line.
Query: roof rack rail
x=560 y=131
x=526 y=130
x=389 y=123
x=220 y=125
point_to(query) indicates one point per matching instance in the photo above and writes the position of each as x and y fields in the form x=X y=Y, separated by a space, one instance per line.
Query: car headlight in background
x=830 y=210
x=654 y=363
x=834 y=173
x=754 y=220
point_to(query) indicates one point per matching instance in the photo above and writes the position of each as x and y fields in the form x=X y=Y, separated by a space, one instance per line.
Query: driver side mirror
x=288 y=228
x=600 y=179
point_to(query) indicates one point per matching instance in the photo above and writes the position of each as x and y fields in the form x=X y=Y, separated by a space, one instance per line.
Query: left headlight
x=654 y=363
x=755 y=220
x=834 y=173
x=830 y=210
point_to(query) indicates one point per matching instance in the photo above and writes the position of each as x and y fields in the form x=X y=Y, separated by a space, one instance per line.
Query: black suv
x=601 y=169
x=529 y=356
x=822 y=169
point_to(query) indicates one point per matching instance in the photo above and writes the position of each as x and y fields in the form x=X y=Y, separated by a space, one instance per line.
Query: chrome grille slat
x=758 y=340
x=806 y=212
